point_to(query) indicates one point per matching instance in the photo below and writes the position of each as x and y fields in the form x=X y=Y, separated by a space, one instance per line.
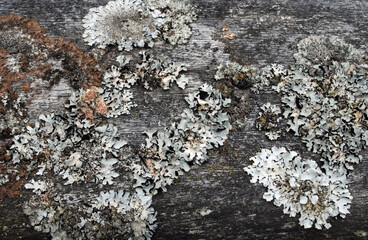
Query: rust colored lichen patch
x=36 y=54
x=91 y=104
x=27 y=55
x=26 y=87
x=229 y=36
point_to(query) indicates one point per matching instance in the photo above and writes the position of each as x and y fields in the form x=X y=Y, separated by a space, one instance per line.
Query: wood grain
x=265 y=32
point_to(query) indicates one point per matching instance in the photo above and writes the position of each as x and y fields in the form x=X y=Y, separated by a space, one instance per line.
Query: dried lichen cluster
x=235 y=80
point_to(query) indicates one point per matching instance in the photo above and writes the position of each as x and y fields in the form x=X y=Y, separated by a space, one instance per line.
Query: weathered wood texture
x=266 y=32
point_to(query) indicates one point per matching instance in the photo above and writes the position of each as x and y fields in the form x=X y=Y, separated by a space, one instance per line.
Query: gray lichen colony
x=324 y=101
x=137 y=23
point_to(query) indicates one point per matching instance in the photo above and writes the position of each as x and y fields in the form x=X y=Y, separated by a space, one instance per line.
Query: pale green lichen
x=110 y=215
x=136 y=23
x=167 y=154
x=325 y=99
x=301 y=187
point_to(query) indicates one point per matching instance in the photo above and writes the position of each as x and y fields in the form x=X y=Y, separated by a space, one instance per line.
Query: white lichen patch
x=123 y=22
x=157 y=71
x=321 y=49
x=110 y=215
x=4 y=178
x=150 y=72
x=325 y=99
x=136 y=23
x=69 y=148
x=166 y=155
x=301 y=187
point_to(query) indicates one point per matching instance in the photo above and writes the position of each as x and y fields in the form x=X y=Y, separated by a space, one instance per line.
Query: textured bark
x=265 y=32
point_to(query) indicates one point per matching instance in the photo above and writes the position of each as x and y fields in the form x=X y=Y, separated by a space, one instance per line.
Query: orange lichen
x=229 y=36
x=101 y=107
x=90 y=95
x=225 y=28
x=92 y=104
x=88 y=113
x=150 y=165
x=35 y=63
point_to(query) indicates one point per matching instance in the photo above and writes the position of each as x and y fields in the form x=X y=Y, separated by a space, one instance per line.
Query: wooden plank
x=265 y=32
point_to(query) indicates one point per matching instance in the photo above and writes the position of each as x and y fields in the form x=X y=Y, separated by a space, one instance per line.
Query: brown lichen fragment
x=26 y=87
x=13 y=188
x=88 y=113
x=90 y=95
x=240 y=104
x=229 y=36
x=91 y=104
x=38 y=55
x=101 y=107
x=149 y=164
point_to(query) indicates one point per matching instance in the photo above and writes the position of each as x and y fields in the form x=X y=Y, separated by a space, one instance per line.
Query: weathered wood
x=265 y=32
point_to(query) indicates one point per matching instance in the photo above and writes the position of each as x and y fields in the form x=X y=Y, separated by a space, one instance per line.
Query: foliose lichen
x=268 y=120
x=167 y=154
x=137 y=23
x=28 y=59
x=76 y=146
x=110 y=215
x=235 y=82
x=300 y=186
x=325 y=99
x=67 y=147
x=249 y=76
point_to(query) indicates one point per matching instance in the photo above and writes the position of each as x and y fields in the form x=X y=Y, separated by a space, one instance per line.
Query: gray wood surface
x=265 y=32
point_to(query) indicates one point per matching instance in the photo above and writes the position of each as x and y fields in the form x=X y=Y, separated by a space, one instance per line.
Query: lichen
x=150 y=72
x=235 y=82
x=167 y=154
x=76 y=147
x=248 y=76
x=68 y=148
x=324 y=98
x=172 y=19
x=136 y=23
x=110 y=215
x=268 y=120
x=324 y=102
x=29 y=57
x=301 y=187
